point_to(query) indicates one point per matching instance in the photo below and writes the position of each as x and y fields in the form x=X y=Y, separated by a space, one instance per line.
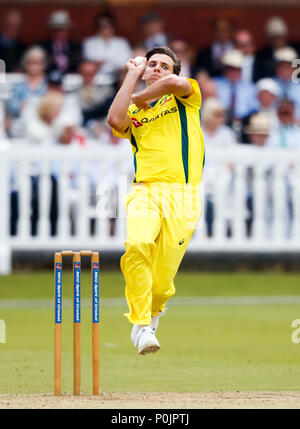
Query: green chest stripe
x=133 y=142
x=184 y=139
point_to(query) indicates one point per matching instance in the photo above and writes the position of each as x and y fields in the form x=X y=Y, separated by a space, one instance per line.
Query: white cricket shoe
x=155 y=319
x=143 y=337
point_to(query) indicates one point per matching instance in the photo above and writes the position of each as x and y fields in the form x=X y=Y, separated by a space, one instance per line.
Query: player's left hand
x=140 y=103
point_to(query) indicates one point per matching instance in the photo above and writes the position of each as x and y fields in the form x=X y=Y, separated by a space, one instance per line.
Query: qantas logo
x=136 y=123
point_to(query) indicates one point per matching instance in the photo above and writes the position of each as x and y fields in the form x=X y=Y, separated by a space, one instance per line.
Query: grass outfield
x=222 y=332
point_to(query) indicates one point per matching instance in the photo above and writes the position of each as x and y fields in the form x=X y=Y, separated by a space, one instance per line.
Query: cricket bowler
x=162 y=123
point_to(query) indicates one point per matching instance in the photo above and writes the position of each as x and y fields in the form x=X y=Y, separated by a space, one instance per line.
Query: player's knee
x=163 y=290
x=139 y=246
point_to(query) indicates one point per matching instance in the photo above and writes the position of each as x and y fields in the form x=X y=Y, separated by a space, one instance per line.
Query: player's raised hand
x=136 y=66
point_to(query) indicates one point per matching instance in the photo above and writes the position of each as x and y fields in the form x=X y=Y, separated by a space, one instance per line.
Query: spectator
x=267 y=96
x=288 y=133
x=40 y=127
x=244 y=42
x=217 y=134
x=237 y=96
x=94 y=99
x=207 y=85
x=277 y=32
x=63 y=54
x=213 y=124
x=258 y=131
x=34 y=85
x=11 y=47
x=70 y=101
x=105 y=48
x=210 y=58
x=284 y=71
x=184 y=53
x=30 y=116
x=153 y=29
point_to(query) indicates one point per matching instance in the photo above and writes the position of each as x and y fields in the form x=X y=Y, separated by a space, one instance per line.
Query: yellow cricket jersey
x=167 y=140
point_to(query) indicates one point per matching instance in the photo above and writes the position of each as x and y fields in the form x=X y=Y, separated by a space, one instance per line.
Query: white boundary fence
x=86 y=176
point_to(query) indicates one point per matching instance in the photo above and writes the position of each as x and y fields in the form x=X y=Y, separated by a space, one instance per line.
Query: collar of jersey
x=153 y=104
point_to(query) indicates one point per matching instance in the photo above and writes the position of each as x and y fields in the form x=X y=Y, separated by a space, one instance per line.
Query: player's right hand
x=132 y=67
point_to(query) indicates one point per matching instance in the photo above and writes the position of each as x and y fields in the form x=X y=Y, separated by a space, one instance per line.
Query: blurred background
x=63 y=175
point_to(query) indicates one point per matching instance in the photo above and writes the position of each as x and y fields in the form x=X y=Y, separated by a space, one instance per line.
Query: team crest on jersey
x=136 y=123
x=165 y=99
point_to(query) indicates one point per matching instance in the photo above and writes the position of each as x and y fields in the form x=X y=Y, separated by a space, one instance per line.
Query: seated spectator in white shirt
x=237 y=96
x=184 y=52
x=29 y=114
x=109 y=51
x=153 y=30
x=244 y=41
x=284 y=77
x=287 y=134
x=277 y=33
x=216 y=134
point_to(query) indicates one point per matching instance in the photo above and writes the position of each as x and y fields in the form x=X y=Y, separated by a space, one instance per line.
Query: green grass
x=204 y=348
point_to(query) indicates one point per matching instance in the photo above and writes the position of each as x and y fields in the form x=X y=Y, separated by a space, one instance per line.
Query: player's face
x=158 y=66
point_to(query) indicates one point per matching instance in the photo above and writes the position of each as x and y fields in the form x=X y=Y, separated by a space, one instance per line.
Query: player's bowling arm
x=172 y=83
x=117 y=116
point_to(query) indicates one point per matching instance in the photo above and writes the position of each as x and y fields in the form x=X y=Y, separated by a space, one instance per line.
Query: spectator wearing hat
x=109 y=51
x=237 y=96
x=244 y=42
x=216 y=134
x=283 y=76
x=276 y=31
x=267 y=96
x=34 y=85
x=11 y=47
x=259 y=131
x=153 y=30
x=63 y=54
x=210 y=57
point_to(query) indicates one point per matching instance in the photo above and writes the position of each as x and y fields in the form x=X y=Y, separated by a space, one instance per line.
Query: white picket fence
x=87 y=176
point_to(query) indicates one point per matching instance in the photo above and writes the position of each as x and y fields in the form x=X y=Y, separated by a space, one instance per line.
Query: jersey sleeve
x=127 y=133
x=193 y=100
x=124 y=135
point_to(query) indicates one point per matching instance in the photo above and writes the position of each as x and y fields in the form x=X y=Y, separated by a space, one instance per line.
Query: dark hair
x=104 y=16
x=166 y=51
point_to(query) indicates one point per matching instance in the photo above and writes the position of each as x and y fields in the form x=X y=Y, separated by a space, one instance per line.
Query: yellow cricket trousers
x=161 y=219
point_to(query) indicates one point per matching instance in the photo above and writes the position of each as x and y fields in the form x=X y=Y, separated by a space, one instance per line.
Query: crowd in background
x=59 y=91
